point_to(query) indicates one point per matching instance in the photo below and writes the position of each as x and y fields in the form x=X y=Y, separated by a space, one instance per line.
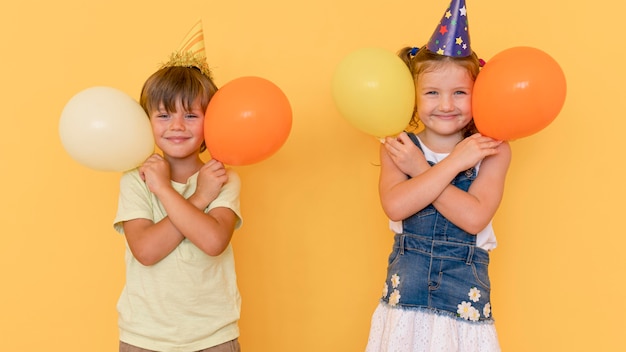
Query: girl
x=178 y=215
x=440 y=189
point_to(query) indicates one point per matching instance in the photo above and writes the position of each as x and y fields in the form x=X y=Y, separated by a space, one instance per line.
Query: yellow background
x=312 y=252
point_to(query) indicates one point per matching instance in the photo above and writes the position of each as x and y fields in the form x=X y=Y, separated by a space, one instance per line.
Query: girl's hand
x=155 y=172
x=405 y=154
x=211 y=178
x=473 y=149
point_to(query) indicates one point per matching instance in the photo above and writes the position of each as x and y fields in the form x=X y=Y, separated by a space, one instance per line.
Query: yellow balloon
x=106 y=130
x=373 y=89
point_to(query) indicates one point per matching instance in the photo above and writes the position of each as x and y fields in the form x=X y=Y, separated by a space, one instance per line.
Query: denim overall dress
x=436 y=266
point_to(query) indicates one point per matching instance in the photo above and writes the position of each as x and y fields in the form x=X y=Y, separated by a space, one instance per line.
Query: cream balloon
x=105 y=129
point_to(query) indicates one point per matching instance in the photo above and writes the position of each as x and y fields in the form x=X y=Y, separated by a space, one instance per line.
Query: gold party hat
x=191 y=52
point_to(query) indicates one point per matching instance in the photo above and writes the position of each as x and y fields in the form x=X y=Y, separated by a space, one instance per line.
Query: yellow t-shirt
x=189 y=300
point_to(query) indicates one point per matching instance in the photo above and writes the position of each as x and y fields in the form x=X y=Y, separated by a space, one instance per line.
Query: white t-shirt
x=189 y=300
x=485 y=239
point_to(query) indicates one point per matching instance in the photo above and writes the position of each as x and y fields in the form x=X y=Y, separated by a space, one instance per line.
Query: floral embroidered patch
x=466 y=311
x=487 y=310
x=395 y=280
x=474 y=294
x=394 y=297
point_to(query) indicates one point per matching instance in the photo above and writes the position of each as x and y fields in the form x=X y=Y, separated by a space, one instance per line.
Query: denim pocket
x=394 y=256
x=481 y=274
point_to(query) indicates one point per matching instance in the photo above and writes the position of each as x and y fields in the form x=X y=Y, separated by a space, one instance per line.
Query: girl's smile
x=444 y=99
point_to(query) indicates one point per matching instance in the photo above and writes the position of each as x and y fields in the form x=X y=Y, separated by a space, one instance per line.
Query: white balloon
x=105 y=129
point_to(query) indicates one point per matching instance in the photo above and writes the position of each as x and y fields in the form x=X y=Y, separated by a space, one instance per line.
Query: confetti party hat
x=191 y=52
x=451 y=37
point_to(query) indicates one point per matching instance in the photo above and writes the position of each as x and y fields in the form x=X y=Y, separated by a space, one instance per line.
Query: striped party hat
x=451 y=37
x=194 y=41
x=191 y=52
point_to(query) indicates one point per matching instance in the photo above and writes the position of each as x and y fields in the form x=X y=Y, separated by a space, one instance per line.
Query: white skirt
x=414 y=330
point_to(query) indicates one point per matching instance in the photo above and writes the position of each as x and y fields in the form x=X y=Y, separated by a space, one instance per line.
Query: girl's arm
x=402 y=196
x=472 y=210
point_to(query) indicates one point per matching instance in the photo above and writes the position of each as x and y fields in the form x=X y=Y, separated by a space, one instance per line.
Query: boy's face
x=179 y=134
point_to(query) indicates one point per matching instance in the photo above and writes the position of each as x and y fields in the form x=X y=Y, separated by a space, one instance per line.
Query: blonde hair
x=424 y=60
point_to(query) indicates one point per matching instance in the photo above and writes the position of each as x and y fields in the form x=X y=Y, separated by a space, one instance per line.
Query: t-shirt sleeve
x=134 y=200
x=229 y=196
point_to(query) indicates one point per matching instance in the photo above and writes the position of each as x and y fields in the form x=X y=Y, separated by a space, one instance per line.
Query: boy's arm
x=151 y=242
x=211 y=232
x=186 y=218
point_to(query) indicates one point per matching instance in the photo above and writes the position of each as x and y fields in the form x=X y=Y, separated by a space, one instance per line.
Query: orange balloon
x=247 y=120
x=518 y=92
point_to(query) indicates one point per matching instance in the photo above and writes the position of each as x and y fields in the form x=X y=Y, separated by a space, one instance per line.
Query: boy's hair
x=425 y=60
x=174 y=84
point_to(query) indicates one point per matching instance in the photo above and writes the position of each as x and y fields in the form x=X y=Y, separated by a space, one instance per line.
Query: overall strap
x=415 y=140
x=417 y=143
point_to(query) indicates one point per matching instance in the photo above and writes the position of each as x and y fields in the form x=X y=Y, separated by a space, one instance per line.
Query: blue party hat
x=451 y=37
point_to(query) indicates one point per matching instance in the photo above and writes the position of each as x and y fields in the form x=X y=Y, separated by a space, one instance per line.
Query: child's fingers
x=403 y=138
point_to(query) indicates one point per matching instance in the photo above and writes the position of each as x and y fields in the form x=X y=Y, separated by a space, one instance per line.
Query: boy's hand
x=155 y=172
x=211 y=178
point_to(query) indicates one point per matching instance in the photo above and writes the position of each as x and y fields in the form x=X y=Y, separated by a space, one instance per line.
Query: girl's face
x=179 y=134
x=444 y=99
